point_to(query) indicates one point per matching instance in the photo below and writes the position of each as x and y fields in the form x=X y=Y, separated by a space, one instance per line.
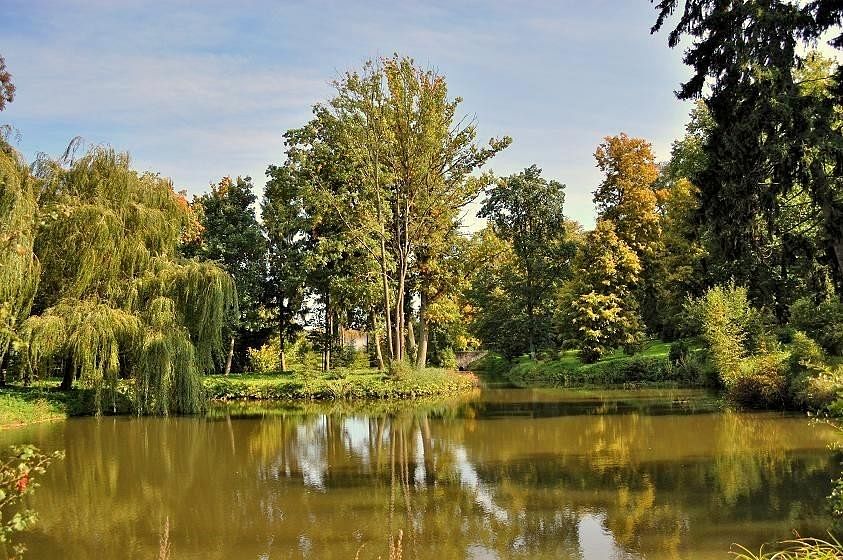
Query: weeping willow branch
x=19 y=268
x=114 y=300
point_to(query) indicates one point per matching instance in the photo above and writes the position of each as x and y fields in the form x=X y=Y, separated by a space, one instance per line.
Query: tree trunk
x=386 y=303
x=837 y=247
x=530 y=330
x=67 y=378
x=4 y=359
x=421 y=357
x=329 y=332
x=230 y=356
x=411 y=344
x=377 y=339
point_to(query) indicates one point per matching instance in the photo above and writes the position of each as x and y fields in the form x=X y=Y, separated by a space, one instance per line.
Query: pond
x=506 y=473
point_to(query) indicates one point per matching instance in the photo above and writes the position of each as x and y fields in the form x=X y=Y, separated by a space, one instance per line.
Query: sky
x=200 y=90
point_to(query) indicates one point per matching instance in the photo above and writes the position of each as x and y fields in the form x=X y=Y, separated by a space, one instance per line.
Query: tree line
x=109 y=273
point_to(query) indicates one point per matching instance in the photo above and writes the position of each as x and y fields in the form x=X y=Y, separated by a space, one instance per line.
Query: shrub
x=401 y=369
x=679 y=352
x=823 y=321
x=804 y=352
x=264 y=359
x=745 y=356
x=760 y=380
x=347 y=356
x=448 y=359
x=815 y=384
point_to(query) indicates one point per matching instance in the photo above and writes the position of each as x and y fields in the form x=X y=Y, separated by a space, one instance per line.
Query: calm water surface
x=509 y=473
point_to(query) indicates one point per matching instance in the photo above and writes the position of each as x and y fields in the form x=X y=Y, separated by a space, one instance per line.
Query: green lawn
x=19 y=406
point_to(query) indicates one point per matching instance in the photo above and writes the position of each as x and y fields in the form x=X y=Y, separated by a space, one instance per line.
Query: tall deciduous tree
x=232 y=236
x=628 y=195
x=527 y=211
x=413 y=160
x=286 y=224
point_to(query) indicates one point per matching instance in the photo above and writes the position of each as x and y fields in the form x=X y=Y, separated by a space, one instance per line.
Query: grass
x=651 y=366
x=797 y=549
x=21 y=405
x=340 y=384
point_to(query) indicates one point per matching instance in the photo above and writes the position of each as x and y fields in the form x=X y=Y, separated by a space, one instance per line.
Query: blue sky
x=198 y=90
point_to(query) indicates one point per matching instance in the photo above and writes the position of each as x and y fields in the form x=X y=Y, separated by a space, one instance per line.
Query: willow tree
x=19 y=268
x=114 y=299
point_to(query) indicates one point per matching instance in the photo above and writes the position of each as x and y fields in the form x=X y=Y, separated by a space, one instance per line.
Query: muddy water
x=508 y=473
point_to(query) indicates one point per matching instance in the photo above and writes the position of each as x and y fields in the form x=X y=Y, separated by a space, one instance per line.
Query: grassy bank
x=341 y=384
x=43 y=401
x=652 y=366
x=28 y=405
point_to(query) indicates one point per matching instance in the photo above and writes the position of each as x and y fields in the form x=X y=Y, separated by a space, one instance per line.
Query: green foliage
x=732 y=327
x=770 y=202
x=19 y=267
x=653 y=366
x=760 y=381
x=232 y=237
x=598 y=302
x=525 y=211
x=753 y=374
x=823 y=321
x=114 y=299
x=448 y=359
x=679 y=352
x=20 y=469
x=7 y=88
x=346 y=384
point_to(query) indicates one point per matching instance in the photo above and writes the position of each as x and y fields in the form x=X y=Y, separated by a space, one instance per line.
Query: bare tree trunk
x=378 y=353
x=411 y=345
x=421 y=357
x=230 y=356
x=329 y=339
x=399 y=319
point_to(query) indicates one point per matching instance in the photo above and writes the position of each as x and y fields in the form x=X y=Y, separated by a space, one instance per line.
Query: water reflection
x=509 y=474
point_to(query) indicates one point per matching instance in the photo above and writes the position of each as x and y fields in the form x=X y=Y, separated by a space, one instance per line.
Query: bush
x=761 y=381
x=448 y=359
x=400 y=369
x=349 y=356
x=679 y=352
x=264 y=359
x=747 y=359
x=823 y=321
x=815 y=384
x=804 y=352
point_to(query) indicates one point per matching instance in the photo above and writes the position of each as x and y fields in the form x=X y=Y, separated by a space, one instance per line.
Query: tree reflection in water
x=511 y=474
